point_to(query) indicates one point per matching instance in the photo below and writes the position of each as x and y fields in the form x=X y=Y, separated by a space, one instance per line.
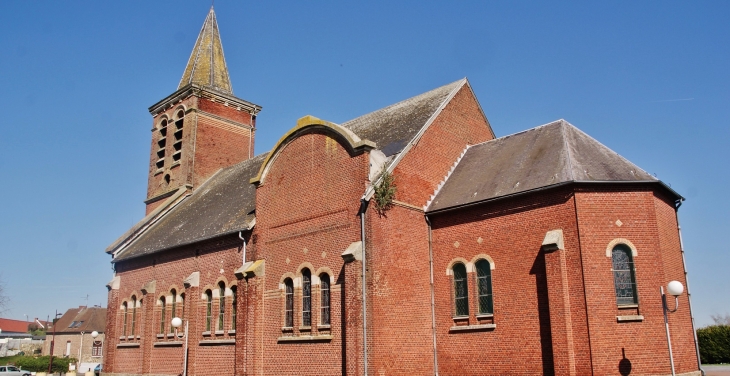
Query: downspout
x=363 y=209
x=678 y=203
x=240 y=236
x=433 y=299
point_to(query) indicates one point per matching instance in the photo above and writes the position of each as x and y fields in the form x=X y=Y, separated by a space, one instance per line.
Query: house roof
x=392 y=127
x=207 y=65
x=82 y=319
x=224 y=204
x=14 y=326
x=544 y=156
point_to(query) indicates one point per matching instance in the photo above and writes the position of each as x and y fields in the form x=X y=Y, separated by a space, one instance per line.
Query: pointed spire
x=207 y=66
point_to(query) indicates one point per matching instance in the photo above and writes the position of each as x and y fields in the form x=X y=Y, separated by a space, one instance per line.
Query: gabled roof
x=207 y=65
x=82 y=319
x=13 y=326
x=392 y=127
x=224 y=204
x=547 y=155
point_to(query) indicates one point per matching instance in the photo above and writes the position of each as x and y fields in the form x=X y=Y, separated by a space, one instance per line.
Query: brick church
x=407 y=241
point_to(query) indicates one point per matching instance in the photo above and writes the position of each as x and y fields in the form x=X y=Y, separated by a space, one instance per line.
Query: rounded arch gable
x=306 y=125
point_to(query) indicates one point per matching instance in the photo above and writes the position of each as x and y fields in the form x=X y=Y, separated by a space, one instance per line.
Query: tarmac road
x=719 y=370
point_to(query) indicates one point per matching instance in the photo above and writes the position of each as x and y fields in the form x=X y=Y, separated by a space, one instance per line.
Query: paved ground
x=723 y=370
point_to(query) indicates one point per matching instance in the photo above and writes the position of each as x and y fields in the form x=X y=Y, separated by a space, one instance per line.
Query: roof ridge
x=567 y=149
x=520 y=132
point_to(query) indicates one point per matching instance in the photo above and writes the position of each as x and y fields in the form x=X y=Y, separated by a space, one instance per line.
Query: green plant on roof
x=385 y=192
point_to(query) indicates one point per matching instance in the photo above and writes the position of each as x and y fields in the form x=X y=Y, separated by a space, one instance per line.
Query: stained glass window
x=324 y=289
x=461 y=300
x=289 y=303
x=484 y=287
x=306 y=297
x=624 y=277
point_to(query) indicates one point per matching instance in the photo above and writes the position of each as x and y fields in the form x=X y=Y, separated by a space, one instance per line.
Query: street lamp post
x=94 y=334
x=176 y=323
x=674 y=288
x=53 y=340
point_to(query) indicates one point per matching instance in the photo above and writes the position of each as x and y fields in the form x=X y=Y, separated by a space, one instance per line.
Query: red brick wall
x=511 y=233
x=643 y=343
x=228 y=112
x=217 y=145
x=169 y=269
x=460 y=123
x=306 y=215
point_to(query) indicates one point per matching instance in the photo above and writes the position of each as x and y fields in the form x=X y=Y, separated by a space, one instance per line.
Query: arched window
x=124 y=314
x=484 y=287
x=624 y=277
x=173 y=306
x=161 y=142
x=208 y=309
x=162 y=315
x=96 y=349
x=324 y=290
x=306 y=297
x=134 y=313
x=289 y=303
x=182 y=304
x=221 y=304
x=178 y=136
x=461 y=299
x=234 y=309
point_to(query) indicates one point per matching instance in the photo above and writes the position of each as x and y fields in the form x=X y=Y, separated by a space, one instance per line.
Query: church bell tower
x=201 y=127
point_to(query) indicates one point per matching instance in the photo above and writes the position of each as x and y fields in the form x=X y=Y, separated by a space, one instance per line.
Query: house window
x=178 y=136
x=461 y=300
x=306 y=297
x=289 y=303
x=162 y=315
x=624 y=277
x=234 y=309
x=208 y=309
x=484 y=287
x=124 y=314
x=221 y=305
x=68 y=348
x=324 y=290
x=96 y=347
x=134 y=313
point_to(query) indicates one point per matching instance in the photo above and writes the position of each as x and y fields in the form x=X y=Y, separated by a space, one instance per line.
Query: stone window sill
x=128 y=344
x=629 y=318
x=160 y=336
x=319 y=338
x=206 y=334
x=217 y=342
x=467 y=328
x=305 y=328
x=232 y=332
x=130 y=337
x=175 y=165
x=627 y=306
x=219 y=332
x=485 y=316
x=324 y=327
x=287 y=329
x=168 y=343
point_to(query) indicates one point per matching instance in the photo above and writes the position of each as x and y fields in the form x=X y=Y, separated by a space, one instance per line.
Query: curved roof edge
x=353 y=141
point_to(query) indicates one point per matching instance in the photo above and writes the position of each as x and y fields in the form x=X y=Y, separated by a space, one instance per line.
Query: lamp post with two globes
x=674 y=288
x=177 y=323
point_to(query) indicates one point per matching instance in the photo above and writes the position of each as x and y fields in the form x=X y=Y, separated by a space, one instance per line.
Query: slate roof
x=392 y=127
x=82 y=319
x=547 y=155
x=224 y=204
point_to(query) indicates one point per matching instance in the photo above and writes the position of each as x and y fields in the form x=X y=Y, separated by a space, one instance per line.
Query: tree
x=721 y=319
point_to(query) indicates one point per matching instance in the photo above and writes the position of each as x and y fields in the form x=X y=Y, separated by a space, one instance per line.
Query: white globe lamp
x=94 y=334
x=176 y=322
x=675 y=288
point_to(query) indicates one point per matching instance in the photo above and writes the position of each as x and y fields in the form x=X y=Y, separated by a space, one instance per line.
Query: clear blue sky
x=651 y=80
